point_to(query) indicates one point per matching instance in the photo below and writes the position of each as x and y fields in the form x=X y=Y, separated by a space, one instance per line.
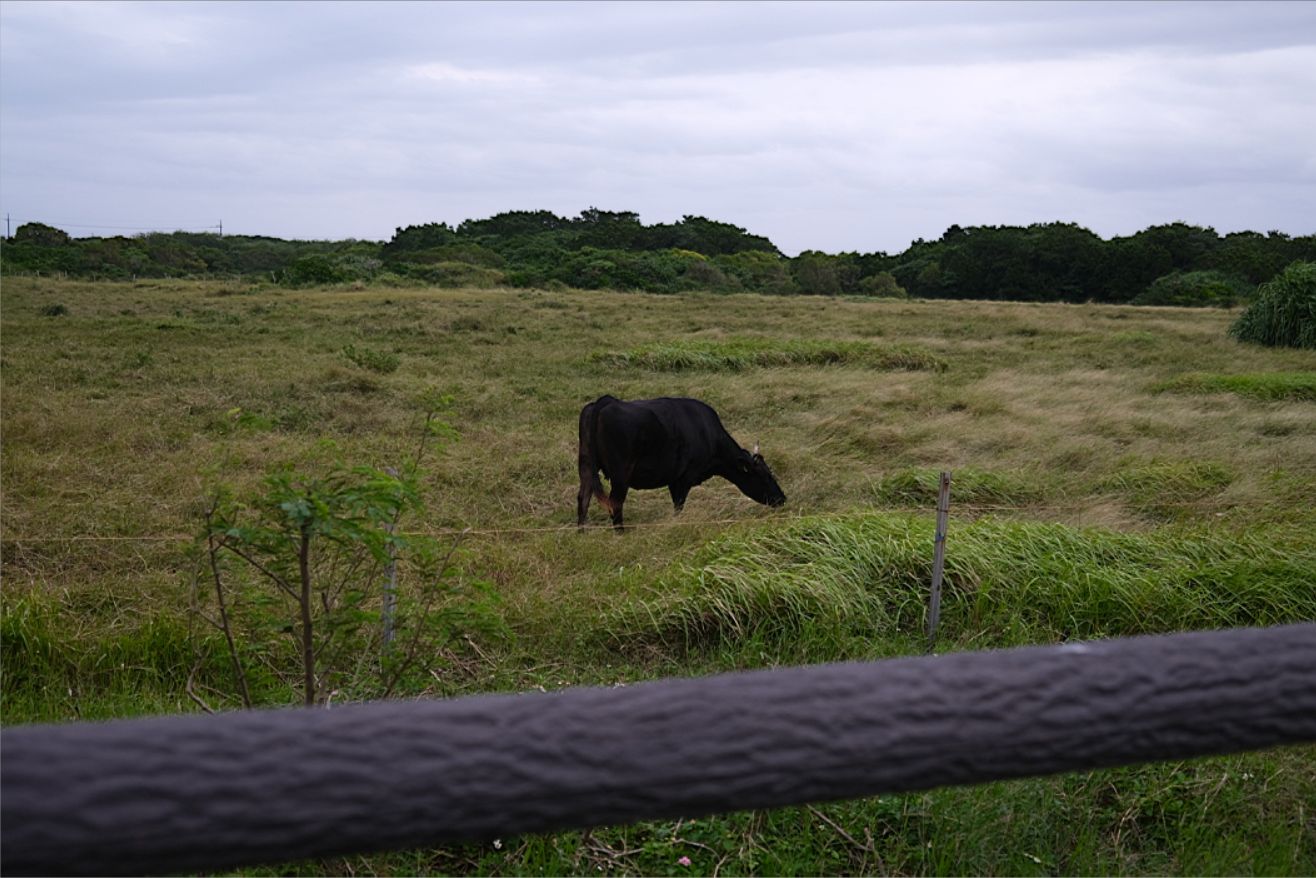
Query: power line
x=137 y=228
x=155 y=228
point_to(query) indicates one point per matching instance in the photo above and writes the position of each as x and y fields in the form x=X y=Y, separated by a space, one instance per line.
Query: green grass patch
x=742 y=354
x=139 y=666
x=1256 y=385
x=1163 y=488
x=827 y=580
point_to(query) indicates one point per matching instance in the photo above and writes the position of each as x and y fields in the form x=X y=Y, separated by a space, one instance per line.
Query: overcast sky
x=836 y=127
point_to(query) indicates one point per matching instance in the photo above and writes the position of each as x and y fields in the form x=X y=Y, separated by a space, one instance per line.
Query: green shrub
x=471 y=254
x=702 y=273
x=883 y=285
x=320 y=554
x=313 y=269
x=454 y=274
x=758 y=271
x=41 y=235
x=1193 y=289
x=1284 y=313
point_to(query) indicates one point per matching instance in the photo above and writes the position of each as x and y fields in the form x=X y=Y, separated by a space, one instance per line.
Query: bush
x=314 y=269
x=1284 y=313
x=758 y=271
x=41 y=235
x=454 y=274
x=1193 y=289
x=701 y=273
x=471 y=254
x=883 y=285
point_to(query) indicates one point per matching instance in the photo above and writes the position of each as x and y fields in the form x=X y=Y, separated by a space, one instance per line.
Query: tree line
x=1171 y=264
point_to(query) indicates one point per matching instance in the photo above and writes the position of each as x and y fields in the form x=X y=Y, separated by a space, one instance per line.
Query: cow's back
x=670 y=439
x=690 y=418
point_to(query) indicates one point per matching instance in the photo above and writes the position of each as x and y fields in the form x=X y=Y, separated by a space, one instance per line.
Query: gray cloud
x=847 y=126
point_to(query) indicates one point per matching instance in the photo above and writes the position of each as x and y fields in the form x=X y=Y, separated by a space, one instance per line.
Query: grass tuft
x=741 y=354
x=1257 y=385
x=1162 y=488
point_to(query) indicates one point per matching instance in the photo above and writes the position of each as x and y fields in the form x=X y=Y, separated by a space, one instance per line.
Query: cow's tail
x=589 y=459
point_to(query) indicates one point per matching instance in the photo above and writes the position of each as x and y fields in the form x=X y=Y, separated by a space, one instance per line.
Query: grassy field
x=1117 y=470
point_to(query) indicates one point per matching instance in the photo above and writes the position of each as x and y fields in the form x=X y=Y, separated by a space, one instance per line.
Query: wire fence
x=961 y=510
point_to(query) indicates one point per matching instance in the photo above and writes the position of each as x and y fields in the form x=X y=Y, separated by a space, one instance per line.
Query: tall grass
x=1284 y=312
x=1006 y=582
x=141 y=666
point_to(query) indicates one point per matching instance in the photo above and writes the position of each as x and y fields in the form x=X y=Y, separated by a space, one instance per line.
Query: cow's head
x=755 y=480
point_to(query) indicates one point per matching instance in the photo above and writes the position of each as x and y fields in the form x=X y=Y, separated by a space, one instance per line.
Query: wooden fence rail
x=190 y=793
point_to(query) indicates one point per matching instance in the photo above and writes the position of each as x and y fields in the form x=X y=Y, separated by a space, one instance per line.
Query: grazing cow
x=666 y=442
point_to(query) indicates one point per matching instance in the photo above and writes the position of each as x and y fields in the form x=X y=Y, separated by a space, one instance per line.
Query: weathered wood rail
x=179 y=794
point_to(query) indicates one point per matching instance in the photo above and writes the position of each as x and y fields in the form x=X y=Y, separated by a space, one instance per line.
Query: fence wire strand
x=961 y=509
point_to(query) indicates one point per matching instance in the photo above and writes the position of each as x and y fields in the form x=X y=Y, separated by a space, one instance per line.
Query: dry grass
x=118 y=414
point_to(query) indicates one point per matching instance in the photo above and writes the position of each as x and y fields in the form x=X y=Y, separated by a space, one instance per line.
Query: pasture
x=1117 y=470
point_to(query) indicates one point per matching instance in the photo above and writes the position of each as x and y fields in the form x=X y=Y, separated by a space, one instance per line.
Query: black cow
x=652 y=443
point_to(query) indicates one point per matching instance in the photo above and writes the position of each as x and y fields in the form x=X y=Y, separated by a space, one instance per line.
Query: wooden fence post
x=938 y=559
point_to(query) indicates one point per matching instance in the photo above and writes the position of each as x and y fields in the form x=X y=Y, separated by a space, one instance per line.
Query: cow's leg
x=679 y=493
x=588 y=476
x=590 y=486
x=615 y=501
x=619 y=465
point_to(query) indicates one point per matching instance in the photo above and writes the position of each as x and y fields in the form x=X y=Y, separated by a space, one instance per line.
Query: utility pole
x=221 y=228
x=6 y=227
